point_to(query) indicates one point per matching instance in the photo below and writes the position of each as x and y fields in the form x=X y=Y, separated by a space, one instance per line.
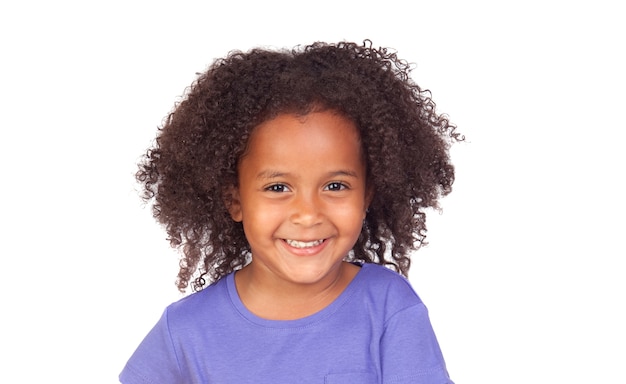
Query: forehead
x=309 y=140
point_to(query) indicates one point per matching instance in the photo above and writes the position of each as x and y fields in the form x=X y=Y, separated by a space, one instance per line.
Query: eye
x=336 y=186
x=277 y=188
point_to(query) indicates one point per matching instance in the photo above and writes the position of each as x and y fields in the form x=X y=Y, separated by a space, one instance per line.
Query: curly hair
x=191 y=167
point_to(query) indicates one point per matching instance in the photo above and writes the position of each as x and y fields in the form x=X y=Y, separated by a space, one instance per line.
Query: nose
x=306 y=210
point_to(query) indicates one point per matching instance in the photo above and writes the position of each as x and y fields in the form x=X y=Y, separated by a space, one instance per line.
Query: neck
x=275 y=299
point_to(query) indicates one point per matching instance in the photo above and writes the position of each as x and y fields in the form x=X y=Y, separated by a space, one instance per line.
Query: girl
x=291 y=180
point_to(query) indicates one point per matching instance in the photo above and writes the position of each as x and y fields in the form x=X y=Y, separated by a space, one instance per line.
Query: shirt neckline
x=326 y=312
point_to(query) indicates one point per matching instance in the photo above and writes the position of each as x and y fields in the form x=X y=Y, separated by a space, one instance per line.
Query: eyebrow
x=273 y=174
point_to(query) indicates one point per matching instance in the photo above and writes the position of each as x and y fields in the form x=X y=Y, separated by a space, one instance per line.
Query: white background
x=522 y=275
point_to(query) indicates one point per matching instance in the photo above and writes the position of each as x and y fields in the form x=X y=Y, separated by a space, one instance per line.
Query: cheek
x=261 y=219
x=352 y=219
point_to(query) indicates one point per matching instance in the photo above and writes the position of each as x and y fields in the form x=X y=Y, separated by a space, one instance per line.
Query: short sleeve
x=155 y=359
x=410 y=352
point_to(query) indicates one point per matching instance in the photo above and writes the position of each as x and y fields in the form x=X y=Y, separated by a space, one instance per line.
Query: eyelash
x=278 y=188
x=333 y=186
x=338 y=186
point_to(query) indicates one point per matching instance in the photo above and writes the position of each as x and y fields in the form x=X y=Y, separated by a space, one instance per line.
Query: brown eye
x=277 y=188
x=336 y=186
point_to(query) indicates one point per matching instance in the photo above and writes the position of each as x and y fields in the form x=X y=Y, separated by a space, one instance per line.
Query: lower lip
x=308 y=251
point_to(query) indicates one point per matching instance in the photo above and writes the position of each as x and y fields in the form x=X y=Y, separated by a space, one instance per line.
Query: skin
x=302 y=198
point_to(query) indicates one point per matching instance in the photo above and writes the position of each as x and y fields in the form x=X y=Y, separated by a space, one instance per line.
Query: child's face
x=302 y=196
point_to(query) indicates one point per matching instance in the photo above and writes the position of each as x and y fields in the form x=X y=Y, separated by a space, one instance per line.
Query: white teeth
x=302 y=244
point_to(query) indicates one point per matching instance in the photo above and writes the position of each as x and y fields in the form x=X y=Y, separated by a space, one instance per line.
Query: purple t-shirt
x=376 y=331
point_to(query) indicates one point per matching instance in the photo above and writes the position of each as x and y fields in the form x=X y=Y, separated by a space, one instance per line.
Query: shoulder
x=386 y=290
x=381 y=278
x=203 y=304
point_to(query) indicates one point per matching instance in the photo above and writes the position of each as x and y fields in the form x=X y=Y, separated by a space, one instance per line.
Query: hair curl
x=188 y=172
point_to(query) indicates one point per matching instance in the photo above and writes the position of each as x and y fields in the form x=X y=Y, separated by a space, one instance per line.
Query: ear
x=232 y=201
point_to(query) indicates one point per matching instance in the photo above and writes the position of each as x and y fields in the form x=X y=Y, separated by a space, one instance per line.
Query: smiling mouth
x=303 y=244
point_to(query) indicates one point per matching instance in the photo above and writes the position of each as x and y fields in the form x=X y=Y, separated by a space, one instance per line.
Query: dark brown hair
x=188 y=172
